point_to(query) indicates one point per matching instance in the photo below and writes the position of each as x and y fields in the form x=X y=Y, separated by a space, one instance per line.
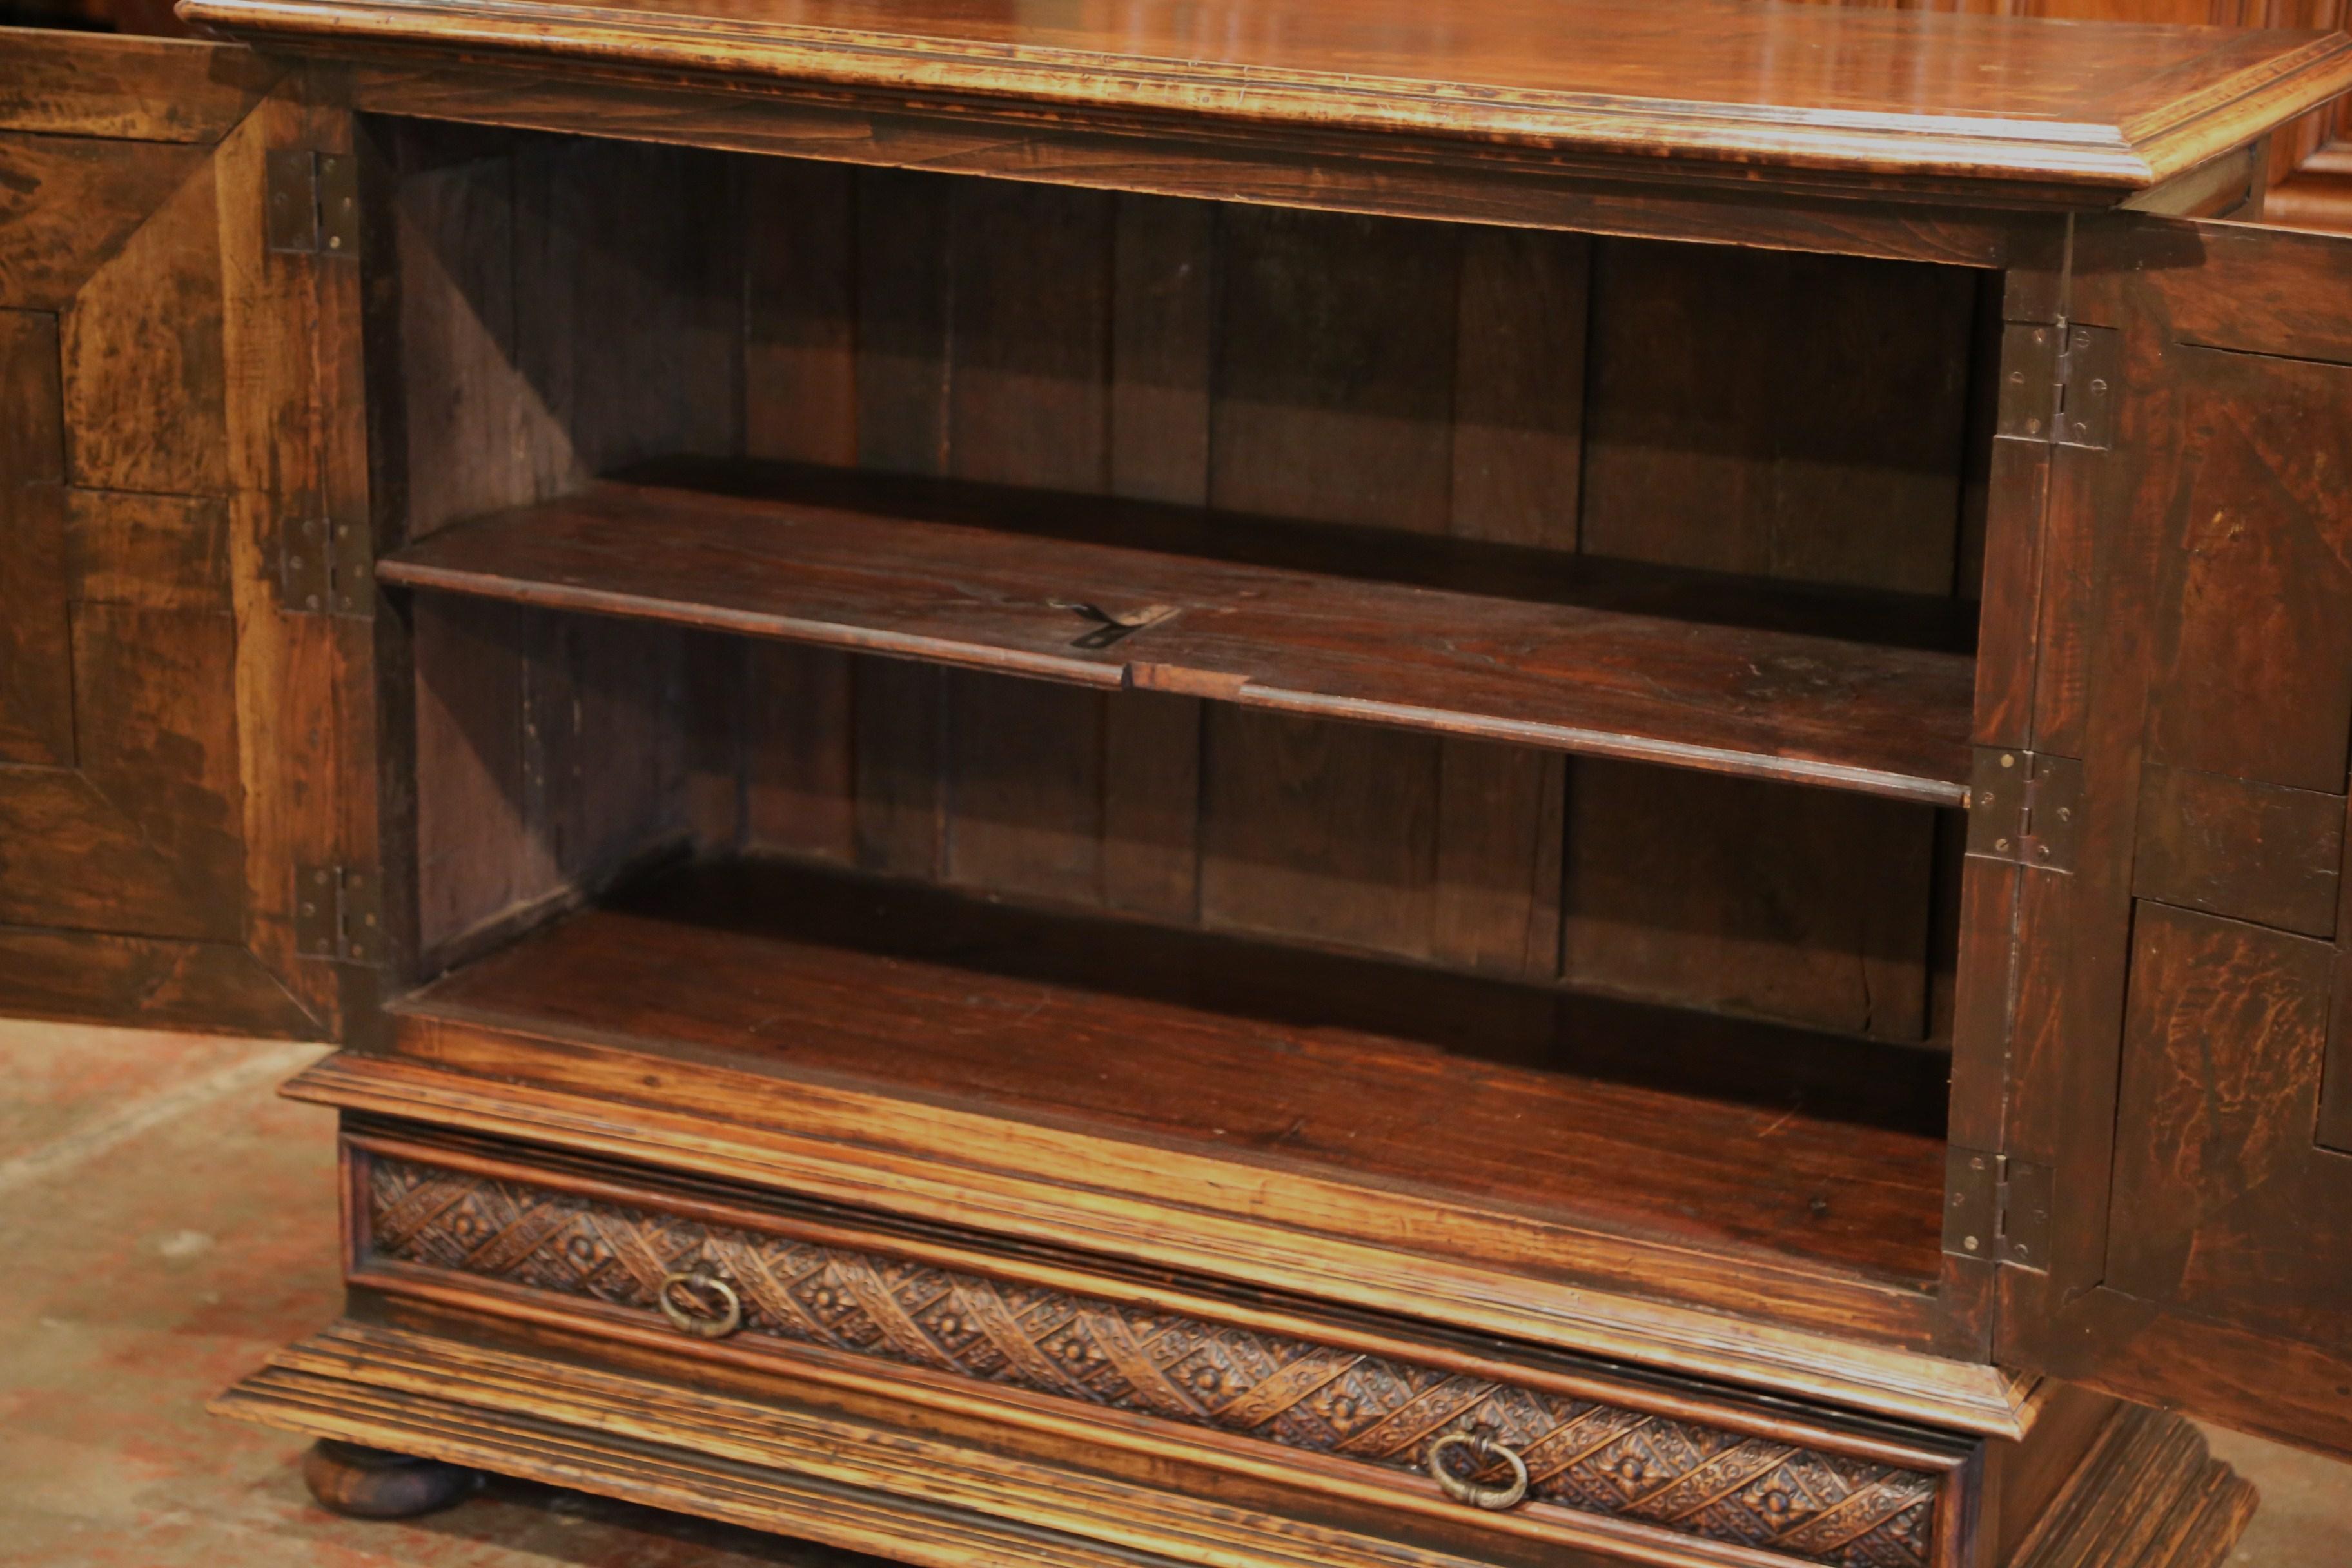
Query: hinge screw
x=1971 y=1244
x=2042 y=851
x=2033 y=427
x=2008 y=759
x=2098 y=388
x=2000 y=843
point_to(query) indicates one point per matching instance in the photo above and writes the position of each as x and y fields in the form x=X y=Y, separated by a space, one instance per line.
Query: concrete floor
x=165 y=1222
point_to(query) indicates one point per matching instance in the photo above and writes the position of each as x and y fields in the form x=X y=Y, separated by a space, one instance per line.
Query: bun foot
x=368 y=1483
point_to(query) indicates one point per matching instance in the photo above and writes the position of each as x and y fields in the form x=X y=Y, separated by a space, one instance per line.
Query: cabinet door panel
x=2204 y=1201
x=146 y=847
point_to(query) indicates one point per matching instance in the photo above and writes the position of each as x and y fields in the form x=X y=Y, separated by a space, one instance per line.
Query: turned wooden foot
x=368 y=1483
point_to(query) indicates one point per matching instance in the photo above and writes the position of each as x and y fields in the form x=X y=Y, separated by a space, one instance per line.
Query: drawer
x=1529 y=1443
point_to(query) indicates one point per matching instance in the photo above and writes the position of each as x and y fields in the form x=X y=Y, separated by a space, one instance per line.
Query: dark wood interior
x=1467 y=530
x=1517 y=415
x=1716 y=1132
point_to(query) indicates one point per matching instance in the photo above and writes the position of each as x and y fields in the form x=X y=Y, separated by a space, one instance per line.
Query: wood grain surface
x=1185 y=615
x=1360 y=1068
x=1779 y=93
x=151 y=811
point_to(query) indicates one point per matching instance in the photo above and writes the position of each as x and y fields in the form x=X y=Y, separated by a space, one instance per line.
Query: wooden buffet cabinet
x=1261 y=782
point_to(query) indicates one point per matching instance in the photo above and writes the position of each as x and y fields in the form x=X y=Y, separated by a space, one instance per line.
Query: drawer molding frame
x=802 y=1147
x=1872 y=1496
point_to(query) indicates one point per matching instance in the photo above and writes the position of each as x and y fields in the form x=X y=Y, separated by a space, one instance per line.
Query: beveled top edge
x=2212 y=89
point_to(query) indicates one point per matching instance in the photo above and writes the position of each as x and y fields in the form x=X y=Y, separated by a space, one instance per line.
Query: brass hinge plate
x=1998 y=1208
x=337 y=914
x=312 y=203
x=2025 y=806
x=326 y=568
x=2058 y=384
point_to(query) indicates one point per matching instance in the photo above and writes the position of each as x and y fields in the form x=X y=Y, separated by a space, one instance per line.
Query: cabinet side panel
x=551 y=753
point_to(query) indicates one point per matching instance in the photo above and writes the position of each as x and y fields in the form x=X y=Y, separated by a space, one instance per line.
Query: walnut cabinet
x=1263 y=783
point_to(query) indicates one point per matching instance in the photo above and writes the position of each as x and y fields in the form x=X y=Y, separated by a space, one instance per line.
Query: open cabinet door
x=2181 y=1047
x=181 y=744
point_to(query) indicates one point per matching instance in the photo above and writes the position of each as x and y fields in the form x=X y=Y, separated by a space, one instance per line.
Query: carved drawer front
x=794 y=1286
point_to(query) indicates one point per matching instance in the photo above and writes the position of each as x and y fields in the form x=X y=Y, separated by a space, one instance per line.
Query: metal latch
x=2058 y=384
x=312 y=203
x=1997 y=1207
x=2025 y=806
x=337 y=914
x=326 y=568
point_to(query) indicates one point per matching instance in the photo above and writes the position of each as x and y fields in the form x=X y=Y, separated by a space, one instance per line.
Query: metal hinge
x=2025 y=806
x=1997 y=1207
x=337 y=914
x=312 y=203
x=325 y=568
x=2058 y=384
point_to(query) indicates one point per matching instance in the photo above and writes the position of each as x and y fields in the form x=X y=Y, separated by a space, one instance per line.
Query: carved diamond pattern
x=1581 y=1454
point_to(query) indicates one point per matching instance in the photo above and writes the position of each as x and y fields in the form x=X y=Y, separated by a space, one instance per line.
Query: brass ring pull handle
x=1462 y=1491
x=700 y=1304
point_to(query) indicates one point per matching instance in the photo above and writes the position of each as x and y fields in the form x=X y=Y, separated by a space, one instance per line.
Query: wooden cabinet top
x=2006 y=109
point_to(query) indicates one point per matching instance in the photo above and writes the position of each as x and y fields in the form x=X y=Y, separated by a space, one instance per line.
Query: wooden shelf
x=1429 y=1093
x=1503 y=644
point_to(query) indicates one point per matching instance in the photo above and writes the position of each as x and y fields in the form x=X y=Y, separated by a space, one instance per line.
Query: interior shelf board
x=1686 y=669
x=1573 y=1109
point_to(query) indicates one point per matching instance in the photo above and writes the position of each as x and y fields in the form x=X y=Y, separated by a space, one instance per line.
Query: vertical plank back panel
x=1165 y=271
x=800 y=403
x=1028 y=404
x=902 y=290
x=1335 y=344
x=1518 y=428
x=1335 y=340
x=1789 y=416
x=1381 y=373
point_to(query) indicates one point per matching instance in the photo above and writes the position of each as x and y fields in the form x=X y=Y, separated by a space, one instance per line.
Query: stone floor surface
x=165 y=1222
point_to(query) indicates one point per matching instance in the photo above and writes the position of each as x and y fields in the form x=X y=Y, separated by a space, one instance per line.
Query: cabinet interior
x=1699 y=1002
